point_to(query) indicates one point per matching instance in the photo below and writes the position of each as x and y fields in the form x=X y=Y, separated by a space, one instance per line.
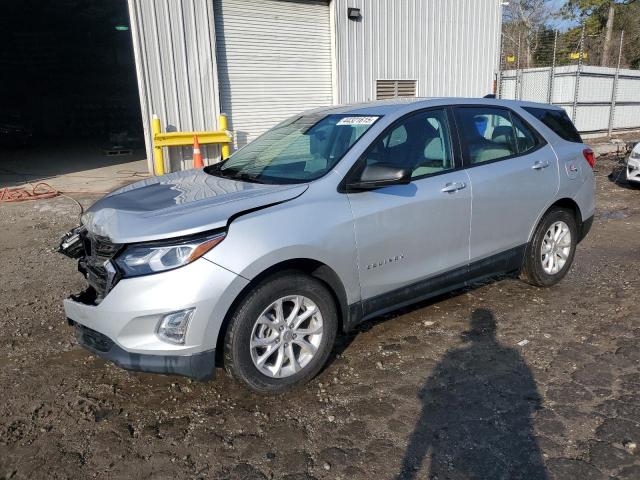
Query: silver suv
x=330 y=218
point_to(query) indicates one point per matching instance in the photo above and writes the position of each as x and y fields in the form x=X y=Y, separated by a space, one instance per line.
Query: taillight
x=589 y=156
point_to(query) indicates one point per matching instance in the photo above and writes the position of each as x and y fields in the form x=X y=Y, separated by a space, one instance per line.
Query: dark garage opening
x=68 y=93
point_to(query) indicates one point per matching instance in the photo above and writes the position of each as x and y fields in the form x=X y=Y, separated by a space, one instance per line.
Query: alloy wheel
x=556 y=247
x=286 y=336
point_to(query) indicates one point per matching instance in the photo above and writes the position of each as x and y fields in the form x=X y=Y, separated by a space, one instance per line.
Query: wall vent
x=395 y=88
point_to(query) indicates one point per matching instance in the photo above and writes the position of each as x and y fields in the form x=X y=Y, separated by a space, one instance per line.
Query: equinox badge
x=381 y=263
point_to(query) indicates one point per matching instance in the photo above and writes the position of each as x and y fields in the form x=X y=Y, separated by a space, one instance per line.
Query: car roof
x=403 y=105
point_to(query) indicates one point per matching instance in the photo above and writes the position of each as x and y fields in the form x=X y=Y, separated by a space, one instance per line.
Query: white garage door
x=274 y=60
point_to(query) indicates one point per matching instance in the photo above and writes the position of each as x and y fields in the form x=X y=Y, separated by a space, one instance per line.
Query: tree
x=599 y=15
x=606 y=48
x=526 y=19
x=543 y=56
x=627 y=21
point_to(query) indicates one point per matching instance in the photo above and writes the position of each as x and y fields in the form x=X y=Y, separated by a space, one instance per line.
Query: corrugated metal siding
x=274 y=60
x=450 y=47
x=177 y=74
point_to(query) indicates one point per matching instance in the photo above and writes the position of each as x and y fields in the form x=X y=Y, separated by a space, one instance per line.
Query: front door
x=412 y=238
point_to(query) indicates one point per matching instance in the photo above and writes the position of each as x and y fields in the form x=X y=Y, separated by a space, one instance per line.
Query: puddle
x=613 y=214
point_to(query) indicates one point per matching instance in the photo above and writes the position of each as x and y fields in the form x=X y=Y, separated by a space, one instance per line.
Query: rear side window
x=487 y=134
x=558 y=121
x=525 y=138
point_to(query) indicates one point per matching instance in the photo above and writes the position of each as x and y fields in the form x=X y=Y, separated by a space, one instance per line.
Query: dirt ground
x=500 y=381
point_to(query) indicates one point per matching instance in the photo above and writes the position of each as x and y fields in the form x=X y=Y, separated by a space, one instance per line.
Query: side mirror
x=380 y=175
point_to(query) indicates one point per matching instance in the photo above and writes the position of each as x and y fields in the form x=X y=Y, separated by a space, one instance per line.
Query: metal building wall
x=174 y=46
x=450 y=47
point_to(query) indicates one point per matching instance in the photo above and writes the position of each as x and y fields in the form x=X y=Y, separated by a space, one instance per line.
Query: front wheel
x=550 y=253
x=281 y=333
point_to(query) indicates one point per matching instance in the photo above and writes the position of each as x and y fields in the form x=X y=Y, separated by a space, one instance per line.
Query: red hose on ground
x=38 y=192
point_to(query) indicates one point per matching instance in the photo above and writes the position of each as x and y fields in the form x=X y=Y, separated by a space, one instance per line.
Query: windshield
x=298 y=150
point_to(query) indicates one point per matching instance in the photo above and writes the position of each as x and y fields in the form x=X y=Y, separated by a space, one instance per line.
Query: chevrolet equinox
x=332 y=217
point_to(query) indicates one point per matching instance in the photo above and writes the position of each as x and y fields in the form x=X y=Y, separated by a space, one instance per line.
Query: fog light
x=173 y=326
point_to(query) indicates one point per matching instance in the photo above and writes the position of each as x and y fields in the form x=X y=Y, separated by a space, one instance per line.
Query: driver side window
x=420 y=142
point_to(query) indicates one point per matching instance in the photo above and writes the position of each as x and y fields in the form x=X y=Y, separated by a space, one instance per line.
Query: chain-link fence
x=560 y=68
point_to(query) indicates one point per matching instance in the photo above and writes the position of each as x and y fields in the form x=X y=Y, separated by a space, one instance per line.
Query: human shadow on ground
x=477 y=406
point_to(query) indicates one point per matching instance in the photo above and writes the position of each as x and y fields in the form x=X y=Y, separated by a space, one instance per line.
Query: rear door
x=513 y=174
x=413 y=239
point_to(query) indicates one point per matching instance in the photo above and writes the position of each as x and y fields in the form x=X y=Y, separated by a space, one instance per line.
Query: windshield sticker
x=357 y=120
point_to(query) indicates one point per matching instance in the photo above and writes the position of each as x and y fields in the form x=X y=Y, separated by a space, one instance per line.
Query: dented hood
x=177 y=204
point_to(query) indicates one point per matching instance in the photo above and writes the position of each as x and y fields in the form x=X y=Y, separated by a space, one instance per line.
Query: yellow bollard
x=158 y=156
x=225 y=149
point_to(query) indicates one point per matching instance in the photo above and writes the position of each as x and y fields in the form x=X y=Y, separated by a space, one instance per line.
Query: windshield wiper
x=245 y=177
x=231 y=174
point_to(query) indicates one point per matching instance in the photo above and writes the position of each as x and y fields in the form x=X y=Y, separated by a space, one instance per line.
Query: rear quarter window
x=558 y=121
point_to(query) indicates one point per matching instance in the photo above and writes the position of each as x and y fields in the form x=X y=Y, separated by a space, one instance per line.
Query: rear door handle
x=539 y=165
x=453 y=187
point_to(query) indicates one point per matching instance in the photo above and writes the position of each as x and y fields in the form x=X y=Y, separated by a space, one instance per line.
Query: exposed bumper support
x=200 y=366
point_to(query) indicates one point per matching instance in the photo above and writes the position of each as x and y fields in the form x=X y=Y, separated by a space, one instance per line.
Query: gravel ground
x=500 y=381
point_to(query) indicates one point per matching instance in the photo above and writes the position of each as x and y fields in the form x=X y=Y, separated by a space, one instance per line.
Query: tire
x=533 y=270
x=289 y=289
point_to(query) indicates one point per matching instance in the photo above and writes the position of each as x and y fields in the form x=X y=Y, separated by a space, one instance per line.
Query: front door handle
x=539 y=164
x=453 y=187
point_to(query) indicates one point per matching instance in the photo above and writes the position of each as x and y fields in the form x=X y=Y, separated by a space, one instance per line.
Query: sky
x=559 y=23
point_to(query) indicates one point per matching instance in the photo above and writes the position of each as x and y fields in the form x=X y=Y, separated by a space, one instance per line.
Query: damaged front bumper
x=122 y=326
x=199 y=366
x=71 y=244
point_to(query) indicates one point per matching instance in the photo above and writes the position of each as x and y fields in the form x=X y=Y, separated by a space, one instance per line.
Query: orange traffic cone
x=197 y=156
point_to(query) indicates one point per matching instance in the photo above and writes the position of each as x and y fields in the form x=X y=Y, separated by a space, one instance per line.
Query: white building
x=260 y=61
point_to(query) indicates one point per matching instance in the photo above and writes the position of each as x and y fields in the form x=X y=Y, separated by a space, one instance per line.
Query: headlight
x=143 y=259
x=635 y=155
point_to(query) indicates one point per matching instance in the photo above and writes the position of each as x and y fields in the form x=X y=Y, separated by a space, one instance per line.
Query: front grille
x=100 y=274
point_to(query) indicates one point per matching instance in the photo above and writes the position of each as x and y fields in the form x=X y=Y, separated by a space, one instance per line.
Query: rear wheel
x=550 y=253
x=281 y=333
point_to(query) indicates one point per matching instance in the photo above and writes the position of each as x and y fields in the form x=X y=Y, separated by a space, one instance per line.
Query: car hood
x=178 y=204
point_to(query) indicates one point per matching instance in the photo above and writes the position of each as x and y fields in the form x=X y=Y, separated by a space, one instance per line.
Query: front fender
x=309 y=227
